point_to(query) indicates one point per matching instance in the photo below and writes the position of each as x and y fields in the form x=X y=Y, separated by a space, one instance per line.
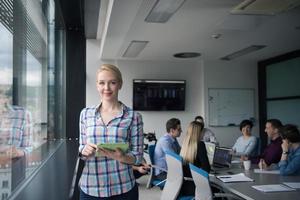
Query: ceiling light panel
x=134 y=49
x=243 y=52
x=163 y=10
x=264 y=7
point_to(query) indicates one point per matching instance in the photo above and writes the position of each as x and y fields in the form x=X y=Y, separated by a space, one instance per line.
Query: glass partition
x=282 y=79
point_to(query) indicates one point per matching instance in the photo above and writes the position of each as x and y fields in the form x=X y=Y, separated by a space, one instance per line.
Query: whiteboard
x=228 y=107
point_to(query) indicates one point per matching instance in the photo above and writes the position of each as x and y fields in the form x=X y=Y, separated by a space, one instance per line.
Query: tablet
x=113 y=146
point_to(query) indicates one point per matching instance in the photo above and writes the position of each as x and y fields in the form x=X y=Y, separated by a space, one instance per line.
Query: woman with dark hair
x=290 y=158
x=208 y=135
x=245 y=144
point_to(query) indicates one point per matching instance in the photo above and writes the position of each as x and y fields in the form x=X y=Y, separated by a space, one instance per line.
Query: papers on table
x=273 y=188
x=236 y=161
x=294 y=185
x=234 y=178
x=262 y=171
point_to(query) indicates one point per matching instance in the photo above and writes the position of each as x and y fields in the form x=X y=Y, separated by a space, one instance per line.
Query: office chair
x=174 y=178
x=203 y=189
x=152 y=181
x=257 y=147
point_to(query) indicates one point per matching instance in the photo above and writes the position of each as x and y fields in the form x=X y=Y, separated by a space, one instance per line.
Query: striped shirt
x=102 y=176
x=16 y=128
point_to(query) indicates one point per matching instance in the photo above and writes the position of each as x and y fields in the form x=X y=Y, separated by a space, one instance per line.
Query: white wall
x=92 y=63
x=199 y=76
x=189 y=71
x=230 y=74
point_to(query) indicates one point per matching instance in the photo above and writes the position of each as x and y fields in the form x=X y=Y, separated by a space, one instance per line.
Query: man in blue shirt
x=168 y=142
x=290 y=158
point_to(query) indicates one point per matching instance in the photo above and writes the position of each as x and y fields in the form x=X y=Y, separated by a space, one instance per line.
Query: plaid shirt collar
x=123 y=112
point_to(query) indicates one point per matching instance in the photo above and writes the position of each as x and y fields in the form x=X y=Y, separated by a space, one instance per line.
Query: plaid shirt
x=16 y=128
x=102 y=176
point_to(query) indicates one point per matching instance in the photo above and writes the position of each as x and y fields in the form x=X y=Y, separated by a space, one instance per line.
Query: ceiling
x=191 y=28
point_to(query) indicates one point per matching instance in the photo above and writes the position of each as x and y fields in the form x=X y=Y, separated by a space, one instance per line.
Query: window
x=283 y=91
x=30 y=88
x=5 y=184
x=279 y=90
x=4 y=196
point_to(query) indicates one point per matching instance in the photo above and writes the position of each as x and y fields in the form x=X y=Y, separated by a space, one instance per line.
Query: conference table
x=244 y=190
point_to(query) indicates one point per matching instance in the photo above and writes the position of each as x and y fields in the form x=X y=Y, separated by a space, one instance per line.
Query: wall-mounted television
x=158 y=95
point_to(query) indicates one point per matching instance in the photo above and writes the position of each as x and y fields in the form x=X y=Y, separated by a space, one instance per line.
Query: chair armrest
x=157 y=167
x=152 y=175
x=157 y=184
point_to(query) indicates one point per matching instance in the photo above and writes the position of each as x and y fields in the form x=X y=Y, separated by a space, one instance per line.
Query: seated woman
x=245 y=145
x=193 y=151
x=290 y=158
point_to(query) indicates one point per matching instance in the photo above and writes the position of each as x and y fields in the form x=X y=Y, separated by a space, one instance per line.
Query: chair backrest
x=151 y=180
x=151 y=149
x=174 y=177
x=200 y=177
x=256 y=152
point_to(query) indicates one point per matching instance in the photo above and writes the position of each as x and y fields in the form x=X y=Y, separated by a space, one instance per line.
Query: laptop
x=210 y=149
x=222 y=158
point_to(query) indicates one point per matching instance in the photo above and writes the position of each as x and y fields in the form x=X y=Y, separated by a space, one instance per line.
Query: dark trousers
x=162 y=176
x=137 y=174
x=133 y=194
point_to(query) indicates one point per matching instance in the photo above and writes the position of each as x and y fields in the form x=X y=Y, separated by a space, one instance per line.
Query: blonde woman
x=110 y=175
x=193 y=151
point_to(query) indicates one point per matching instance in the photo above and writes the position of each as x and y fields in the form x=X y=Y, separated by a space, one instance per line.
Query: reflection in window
x=35 y=99
x=6 y=71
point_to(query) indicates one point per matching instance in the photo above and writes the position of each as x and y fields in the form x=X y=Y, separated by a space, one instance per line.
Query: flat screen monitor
x=158 y=95
x=222 y=157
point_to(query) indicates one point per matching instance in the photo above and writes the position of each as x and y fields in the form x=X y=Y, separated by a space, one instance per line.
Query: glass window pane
x=285 y=110
x=6 y=57
x=35 y=100
x=6 y=71
x=283 y=79
x=24 y=71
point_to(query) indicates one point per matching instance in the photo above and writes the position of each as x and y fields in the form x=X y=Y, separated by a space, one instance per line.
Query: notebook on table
x=222 y=158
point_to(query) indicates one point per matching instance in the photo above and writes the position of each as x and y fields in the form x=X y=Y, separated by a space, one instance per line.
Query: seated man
x=208 y=135
x=141 y=170
x=168 y=142
x=290 y=158
x=273 y=151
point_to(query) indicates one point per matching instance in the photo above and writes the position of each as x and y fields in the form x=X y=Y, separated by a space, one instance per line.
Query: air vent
x=264 y=7
x=187 y=55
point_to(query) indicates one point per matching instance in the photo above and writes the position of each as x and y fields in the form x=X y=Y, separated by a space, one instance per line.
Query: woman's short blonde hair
x=111 y=68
